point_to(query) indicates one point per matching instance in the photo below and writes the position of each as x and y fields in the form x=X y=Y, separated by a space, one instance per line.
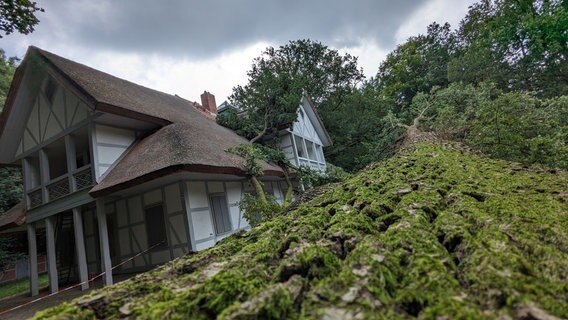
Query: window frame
x=226 y=202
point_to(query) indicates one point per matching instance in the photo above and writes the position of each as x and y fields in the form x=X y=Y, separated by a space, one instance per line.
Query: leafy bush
x=512 y=126
x=11 y=188
x=257 y=211
x=314 y=178
x=7 y=255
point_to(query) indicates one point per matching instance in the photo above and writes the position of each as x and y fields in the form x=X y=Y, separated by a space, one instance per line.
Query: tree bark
x=259 y=189
x=263 y=132
x=290 y=190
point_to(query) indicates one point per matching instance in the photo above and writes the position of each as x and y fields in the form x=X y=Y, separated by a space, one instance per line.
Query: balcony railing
x=83 y=177
x=35 y=197
x=313 y=164
x=59 y=187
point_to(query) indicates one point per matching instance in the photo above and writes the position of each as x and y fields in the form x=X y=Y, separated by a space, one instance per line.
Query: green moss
x=433 y=232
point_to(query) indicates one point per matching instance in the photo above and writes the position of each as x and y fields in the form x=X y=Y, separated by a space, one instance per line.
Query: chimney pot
x=208 y=102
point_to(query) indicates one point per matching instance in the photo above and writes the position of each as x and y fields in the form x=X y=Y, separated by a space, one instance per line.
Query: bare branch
x=263 y=132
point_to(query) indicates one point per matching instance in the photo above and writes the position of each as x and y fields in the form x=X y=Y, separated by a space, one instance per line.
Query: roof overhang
x=314 y=117
x=100 y=191
x=28 y=78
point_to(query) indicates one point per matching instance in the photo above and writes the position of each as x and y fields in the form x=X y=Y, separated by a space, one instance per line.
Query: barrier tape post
x=91 y=280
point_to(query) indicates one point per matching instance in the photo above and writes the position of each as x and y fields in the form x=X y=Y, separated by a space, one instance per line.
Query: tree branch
x=263 y=132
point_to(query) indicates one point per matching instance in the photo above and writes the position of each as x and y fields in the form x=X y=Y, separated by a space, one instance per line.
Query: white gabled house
x=112 y=168
x=304 y=140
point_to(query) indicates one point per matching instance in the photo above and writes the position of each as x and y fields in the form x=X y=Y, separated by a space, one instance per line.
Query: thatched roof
x=187 y=140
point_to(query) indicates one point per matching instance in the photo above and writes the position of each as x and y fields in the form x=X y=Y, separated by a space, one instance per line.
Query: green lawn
x=20 y=286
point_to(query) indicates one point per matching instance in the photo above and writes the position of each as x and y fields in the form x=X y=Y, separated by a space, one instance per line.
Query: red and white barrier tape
x=79 y=284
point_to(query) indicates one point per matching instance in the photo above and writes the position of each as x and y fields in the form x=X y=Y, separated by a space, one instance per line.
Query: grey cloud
x=201 y=29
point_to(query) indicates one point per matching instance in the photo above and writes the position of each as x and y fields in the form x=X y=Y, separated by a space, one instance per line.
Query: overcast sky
x=188 y=46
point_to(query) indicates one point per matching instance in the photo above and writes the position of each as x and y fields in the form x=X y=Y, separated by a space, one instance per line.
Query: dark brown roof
x=14 y=217
x=188 y=141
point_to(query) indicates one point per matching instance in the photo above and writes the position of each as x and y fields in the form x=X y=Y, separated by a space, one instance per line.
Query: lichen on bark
x=435 y=232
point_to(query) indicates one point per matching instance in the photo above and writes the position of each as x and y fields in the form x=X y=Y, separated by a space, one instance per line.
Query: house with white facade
x=304 y=140
x=112 y=169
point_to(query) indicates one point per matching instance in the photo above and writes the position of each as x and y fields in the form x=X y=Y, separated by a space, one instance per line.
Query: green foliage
x=354 y=125
x=18 y=15
x=274 y=155
x=7 y=254
x=315 y=178
x=277 y=79
x=21 y=286
x=415 y=66
x=435 y=232
x=7 y=69
x=258 y=207
x=252 y=155
x=511 y=126
x=11 y=188
x=257 y=211
x=10 y=179
x=519 y=45
x=522 y=128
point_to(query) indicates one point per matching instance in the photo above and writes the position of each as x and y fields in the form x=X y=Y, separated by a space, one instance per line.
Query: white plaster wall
x=304 y=127
x=201 y=219
x=205 y=245
x=47 y=119
x=234 y=196
x=110 y=143
x=202 y=224
x=173 y=198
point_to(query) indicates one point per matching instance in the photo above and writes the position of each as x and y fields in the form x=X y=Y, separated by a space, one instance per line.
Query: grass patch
x=20 y=286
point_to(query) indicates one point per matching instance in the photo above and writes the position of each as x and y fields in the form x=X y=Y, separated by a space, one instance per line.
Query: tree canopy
x=18 y=15
x=277 y=79
x=7 y=69
x=519 y=45
x=10 y=178
x=519 y=49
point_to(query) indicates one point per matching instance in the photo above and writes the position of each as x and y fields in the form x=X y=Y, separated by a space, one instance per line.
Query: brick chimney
x=208 y=102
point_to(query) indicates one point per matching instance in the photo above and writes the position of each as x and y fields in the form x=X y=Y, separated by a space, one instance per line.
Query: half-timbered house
x=112 y=168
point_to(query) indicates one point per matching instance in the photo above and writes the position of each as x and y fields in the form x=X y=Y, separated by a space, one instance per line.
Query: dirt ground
x=30 y=310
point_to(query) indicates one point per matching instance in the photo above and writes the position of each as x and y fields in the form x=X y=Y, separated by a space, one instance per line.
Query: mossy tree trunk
x=290 y=190
x=259 y=189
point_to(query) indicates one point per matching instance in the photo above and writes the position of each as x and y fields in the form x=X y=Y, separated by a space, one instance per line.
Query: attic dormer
x=304 y=140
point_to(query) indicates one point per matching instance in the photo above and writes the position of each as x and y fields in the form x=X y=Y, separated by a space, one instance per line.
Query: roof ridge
x=47 y=55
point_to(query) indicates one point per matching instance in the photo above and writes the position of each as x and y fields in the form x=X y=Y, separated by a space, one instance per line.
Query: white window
x=320 y=153
x=311 y=150
x=220 y=213
x=300 y=147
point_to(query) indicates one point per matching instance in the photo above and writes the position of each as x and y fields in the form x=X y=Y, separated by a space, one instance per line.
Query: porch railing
x=61 y=186
x=35 y=197
x=83 y=177
x=313 y=164
x=58 y=188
